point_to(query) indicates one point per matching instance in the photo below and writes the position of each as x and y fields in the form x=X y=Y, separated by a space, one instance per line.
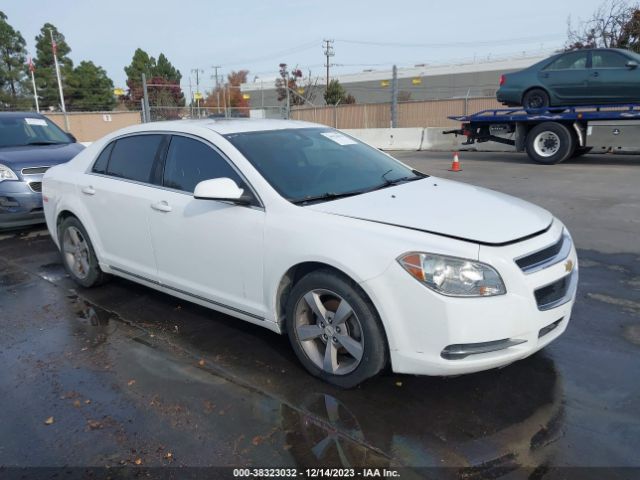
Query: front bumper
x=423 y=328
x=20 y=205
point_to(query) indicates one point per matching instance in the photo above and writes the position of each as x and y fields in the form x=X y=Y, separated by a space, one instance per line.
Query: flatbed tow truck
x=554 y=134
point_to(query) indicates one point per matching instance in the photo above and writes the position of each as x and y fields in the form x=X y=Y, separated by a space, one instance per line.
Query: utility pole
x=145 y=99
x=328 y=52
x=54 y=47
x=215 y=76
x=32 y=69
x=197 y=72
x=394 y=97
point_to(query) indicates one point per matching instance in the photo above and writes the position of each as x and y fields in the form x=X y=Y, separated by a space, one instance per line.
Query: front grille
x=547 y=297
x=36 y=186
x=542 y=257
x=34 y=170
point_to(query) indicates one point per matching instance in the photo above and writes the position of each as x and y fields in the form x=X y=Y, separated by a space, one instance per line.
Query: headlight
x=6 y=173
x=453 y=276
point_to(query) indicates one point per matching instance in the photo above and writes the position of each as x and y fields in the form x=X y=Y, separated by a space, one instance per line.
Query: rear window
x=133 y=157
x=103 y=160
x=570 y=61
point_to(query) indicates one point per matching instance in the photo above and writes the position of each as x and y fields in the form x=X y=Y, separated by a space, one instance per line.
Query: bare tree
x=614 y=24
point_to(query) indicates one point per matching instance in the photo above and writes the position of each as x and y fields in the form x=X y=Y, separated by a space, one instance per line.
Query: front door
x=610 y=78
x=207 y=248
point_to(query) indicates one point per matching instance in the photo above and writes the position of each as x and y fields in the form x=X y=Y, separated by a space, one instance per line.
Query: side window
x=190 y=161
x=570 y=61
x=606 y=59
x=100 y=165
x=133 y=157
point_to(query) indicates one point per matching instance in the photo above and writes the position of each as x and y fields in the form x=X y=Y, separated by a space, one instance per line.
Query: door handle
x=595 y=74
x=161 y=206
x=89 y=190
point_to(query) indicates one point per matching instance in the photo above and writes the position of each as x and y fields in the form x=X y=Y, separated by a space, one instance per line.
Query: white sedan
x=362 y=261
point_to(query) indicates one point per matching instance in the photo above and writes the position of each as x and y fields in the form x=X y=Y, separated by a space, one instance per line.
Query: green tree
x=12 y=59
x=89 y=88
x=164 y=69
x=337 y=94
x=163 y=77
x=46 y=80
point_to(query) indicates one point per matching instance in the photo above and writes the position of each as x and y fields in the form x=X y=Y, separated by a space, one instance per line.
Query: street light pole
x=54 y=47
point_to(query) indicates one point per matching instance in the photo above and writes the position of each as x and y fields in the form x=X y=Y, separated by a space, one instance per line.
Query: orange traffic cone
x=455 y=165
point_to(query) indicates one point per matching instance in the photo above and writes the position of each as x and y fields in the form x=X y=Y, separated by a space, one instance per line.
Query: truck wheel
x=535 y=98
x=550 y=143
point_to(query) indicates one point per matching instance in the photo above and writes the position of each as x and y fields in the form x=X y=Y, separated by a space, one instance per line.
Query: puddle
x=52 y=272
x=13 y=278
x=93 y=323
x=632 y=334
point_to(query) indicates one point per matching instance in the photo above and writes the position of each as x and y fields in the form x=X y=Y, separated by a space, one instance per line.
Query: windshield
x=315 y=164
x=18 y=131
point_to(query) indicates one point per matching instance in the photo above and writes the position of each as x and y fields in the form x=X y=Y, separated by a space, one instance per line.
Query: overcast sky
x=257 y=35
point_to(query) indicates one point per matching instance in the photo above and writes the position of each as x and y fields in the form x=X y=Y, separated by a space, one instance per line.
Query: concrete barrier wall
x=415 y=139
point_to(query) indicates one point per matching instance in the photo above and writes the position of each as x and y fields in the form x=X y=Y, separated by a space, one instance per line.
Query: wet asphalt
x=122 y=375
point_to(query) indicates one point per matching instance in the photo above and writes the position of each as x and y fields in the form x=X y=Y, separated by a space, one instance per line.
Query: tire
x=331 y=311
x=535 y=99
x=550 y=143
x=580 y=151
x=78 y=256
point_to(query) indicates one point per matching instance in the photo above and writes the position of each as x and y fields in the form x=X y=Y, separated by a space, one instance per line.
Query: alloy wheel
x=329 y=332
x=76 y=252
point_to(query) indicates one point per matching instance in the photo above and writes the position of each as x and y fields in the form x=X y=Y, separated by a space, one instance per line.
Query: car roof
x=223 y=126
x=21 y=115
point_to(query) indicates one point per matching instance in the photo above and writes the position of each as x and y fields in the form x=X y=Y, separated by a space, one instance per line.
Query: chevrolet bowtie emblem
x=568 y=265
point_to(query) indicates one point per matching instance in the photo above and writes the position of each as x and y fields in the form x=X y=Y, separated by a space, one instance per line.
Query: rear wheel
x=535 y=98
x=78 y=256
x=550 y=143
x=335 y=330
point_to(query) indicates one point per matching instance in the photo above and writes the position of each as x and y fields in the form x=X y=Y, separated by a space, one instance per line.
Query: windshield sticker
x=339 y=138
x=36 y=121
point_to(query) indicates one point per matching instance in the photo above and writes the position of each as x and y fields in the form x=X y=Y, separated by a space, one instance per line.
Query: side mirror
x=632 y=64
x=223 y=189
x=72 y=137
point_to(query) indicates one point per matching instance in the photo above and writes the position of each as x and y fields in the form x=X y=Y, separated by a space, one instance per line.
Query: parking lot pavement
x=124 y=375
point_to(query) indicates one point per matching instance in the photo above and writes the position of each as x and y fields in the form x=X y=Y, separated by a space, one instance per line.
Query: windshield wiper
x=326 y=196
x=389 y=183
x=44 y=142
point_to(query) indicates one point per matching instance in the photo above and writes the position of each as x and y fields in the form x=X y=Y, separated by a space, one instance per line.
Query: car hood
x=447 y=208
x=18 y=158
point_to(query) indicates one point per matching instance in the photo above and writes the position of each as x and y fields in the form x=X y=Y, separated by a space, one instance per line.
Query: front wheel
x=335 y=330
x=550 y=143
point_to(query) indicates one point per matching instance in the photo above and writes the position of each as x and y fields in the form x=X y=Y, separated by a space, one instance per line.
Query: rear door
x=117 y=193
x=610 y=78
x=209 y=249
x=566 y=78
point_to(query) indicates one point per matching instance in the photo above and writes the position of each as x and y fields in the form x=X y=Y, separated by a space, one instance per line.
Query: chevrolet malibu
x=362 y=261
